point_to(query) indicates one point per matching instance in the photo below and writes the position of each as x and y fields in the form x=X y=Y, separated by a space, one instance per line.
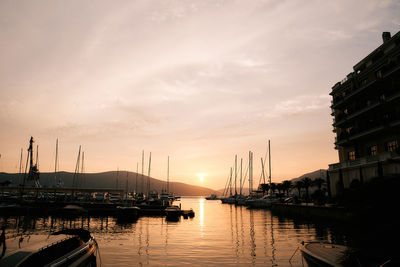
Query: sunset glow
x=200 y=81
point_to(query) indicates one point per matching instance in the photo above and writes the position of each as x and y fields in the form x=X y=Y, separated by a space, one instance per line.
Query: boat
x=127 y=213
x=212 y=197
x=173 y=213
x=261 y=203
x=324 y=254
x=69 y=247
x=241 y=200
x=229 y=200
x=69 y=211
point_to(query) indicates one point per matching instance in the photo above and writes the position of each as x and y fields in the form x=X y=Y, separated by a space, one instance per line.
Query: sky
x=198 y=81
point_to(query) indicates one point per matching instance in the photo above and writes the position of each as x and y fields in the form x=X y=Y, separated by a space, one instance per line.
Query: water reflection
x=201 y=207
x=252 y=238
x=218 y=235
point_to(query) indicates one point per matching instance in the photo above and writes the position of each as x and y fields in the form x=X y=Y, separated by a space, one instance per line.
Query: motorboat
x=69 y=247
x=261 y=203
x=173 y=213
x=324 y=254
x=212 y=197
x=131 y=212
x=241 y=200
x=70 y=211
x=229 y=200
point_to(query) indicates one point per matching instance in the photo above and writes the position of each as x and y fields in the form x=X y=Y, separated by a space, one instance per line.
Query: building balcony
x=340 y=120
x=341 y=100
x=345 y=137
x=385 y=156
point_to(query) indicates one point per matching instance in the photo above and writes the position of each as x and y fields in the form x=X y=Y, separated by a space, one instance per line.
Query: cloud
x=299 y=105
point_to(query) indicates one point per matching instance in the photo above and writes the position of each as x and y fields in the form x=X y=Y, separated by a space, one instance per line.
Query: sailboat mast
x=230 y=183
x=37 y=156
x=269 y=165
x=126 y=189
x=142 y=172
x=20 y=168
x=83 y=182
x=75 y=179
x=235 y=174
x=263 y=170
x=241 y=174
x=250 y=174
x=168 y=177
x=30 y=150
x=137 y=170
x=55 y=165
x=148 y=176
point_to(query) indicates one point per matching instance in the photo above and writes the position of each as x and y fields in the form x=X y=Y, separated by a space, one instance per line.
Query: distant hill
x=109 y=180
x=312 y=175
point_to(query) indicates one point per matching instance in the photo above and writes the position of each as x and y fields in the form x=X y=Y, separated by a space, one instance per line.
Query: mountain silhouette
x=113 y=179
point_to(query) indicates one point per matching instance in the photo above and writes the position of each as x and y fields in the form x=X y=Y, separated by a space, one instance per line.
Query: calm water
x=218 y=235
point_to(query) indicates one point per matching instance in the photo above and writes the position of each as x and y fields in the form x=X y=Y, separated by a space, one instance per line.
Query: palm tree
x=264 y=188
x=299 y=186
x=273 y=188
x=319 y=182
x=279 y=187
x=287 y=185
x=307 y=182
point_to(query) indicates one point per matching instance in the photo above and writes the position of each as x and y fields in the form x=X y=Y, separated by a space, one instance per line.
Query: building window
x=352 y=155
x=392 y=145
x=373 y=150
x=379 y=74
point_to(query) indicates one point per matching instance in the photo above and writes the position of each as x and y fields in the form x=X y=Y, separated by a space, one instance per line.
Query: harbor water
x=218 y=235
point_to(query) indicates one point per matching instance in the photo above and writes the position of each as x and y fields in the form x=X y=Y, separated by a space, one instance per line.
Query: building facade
x=366 y=111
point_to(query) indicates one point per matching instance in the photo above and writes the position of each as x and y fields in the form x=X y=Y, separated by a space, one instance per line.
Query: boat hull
x=70 y=247
x=323 y=254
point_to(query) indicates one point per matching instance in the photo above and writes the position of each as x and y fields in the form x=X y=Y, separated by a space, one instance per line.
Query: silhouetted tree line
x=302 y=187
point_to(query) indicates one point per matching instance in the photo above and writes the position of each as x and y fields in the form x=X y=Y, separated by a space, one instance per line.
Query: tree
x=307 y=182
x=287 y=185
x=299 y=186
x=319 y=182
x=273 y=188
x=279 y=187
x=264 y=188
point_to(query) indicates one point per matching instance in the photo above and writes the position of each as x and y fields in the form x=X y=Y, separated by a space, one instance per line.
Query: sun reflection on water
x=201 y=204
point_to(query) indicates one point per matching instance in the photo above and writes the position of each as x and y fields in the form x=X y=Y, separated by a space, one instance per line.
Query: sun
x=201 y=177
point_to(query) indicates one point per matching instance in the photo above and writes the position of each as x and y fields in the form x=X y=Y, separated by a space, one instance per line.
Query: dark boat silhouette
x=173 y=213
x=70 y=247
x=324 y=254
